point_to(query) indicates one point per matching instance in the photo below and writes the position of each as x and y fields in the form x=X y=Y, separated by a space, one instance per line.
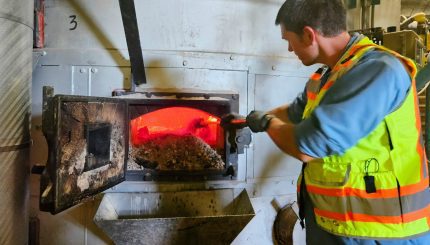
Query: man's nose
x=290 y=48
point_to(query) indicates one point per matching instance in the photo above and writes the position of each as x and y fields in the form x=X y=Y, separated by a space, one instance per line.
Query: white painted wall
x=243 y=27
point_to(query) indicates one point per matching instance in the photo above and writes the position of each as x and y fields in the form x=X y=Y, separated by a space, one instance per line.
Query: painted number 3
x=73 y=23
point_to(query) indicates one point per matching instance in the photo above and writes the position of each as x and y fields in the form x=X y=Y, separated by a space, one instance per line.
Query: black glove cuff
x=258 y=121
x=265 y=121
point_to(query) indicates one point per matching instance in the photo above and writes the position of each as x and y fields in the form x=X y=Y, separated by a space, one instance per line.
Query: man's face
x=302 y=47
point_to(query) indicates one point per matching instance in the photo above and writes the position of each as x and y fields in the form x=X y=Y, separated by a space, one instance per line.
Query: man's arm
x=282 y=133
x=332 y=128
x=281 y=113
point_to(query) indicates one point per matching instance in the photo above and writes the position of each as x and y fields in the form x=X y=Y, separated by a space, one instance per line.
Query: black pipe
x=129 y=21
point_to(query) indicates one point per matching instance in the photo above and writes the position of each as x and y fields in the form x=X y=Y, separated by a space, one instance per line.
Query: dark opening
x=98 y=136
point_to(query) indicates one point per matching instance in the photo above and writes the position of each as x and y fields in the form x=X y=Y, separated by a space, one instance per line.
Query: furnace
x=176 y=135
x=96 y=142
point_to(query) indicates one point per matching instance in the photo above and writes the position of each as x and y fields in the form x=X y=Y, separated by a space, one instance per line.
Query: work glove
x=233 y=121
x=258 y=121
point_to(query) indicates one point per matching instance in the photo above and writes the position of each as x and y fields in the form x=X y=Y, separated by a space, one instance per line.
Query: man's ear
x=309 y=35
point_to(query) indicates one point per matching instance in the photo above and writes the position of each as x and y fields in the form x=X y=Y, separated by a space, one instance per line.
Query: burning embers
x=177 y=152
x=177 y=138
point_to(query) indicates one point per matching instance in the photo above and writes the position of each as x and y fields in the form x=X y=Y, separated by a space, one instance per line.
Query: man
x=356 y=127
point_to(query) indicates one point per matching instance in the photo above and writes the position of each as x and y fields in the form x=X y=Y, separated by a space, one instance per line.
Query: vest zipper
x=400 y=199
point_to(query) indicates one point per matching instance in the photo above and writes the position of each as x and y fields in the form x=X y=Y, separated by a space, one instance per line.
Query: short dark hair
x=328 y=17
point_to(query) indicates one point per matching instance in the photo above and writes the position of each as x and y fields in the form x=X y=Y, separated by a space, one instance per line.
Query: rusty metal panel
x=88 y=143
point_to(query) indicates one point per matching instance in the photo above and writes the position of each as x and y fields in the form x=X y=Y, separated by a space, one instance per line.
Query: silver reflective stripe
x=416 y=201
x=424 y=165
x=313 y=86
x=372 y=206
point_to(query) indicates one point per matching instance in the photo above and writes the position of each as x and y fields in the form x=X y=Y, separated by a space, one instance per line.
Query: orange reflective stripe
x=349 y=216
x=328 y=85
x=354 y=49
x=311 y=96
x=386 y=193
x=358 y=217
x=419 y=214
x=410 y=65
x=414 y=188
x=348 y=63
x=348 y=191
x=353 y=52
x=316 y=76
x=373 y=206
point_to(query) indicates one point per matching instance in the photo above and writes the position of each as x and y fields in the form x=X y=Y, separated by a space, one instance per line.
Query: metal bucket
x=188 y=217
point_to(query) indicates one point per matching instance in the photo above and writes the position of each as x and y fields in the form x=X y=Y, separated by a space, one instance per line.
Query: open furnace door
x=88 y=147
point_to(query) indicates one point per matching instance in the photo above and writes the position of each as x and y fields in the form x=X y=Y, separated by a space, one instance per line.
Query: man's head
x=328 y=17
x=315 y=29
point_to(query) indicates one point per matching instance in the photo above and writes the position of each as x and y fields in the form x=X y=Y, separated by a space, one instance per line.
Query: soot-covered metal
x=87 y=141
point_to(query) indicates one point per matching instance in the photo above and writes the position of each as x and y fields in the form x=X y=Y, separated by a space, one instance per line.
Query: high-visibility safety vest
x=378 y=188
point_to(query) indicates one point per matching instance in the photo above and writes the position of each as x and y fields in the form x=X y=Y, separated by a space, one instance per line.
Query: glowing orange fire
x=177 y=121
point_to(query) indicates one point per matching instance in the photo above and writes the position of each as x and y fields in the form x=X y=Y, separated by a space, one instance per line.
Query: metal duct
x=16 y=42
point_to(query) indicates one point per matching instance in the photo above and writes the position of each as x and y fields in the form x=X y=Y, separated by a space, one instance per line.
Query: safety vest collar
x=315 y=92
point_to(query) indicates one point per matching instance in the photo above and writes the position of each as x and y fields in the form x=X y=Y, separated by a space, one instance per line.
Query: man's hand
x=233 y=121
x=258 y=121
